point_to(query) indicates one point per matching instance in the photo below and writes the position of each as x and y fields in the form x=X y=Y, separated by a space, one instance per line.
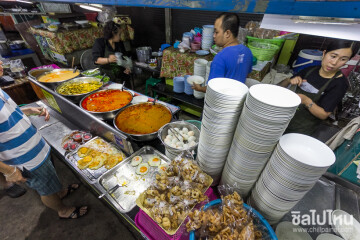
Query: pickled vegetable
x=76 y=88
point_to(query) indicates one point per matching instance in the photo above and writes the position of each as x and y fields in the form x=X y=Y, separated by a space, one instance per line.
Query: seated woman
x=104 y=50
x=321 y=88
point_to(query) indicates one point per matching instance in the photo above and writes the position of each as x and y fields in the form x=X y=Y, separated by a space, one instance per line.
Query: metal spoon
x=122 y=87
x=102 y=79
x=155 y=99
x=110 y=191
x=75 y=69
x=93 y=70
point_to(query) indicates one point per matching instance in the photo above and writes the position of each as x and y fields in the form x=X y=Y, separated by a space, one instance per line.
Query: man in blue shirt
x=235 y=60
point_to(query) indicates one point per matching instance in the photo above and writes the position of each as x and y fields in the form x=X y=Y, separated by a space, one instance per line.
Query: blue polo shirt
x=233 y=62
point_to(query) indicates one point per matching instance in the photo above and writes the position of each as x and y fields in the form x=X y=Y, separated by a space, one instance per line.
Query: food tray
x=92 y=175
x=140 y=200
x=124 y=198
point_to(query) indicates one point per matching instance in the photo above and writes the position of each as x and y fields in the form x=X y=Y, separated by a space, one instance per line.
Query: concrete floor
x=27 y=218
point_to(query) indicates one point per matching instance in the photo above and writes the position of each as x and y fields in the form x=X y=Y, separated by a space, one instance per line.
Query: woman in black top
x=321 y=88
x=104 y=50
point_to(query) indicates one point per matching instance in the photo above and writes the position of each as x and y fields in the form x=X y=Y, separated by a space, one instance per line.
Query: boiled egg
x=154 y=161
x=142 y=169
x=162 y=168
x=136 y=161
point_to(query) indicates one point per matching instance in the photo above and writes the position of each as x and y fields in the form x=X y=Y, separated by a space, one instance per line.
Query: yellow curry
x=58 y=76
x=143 y=118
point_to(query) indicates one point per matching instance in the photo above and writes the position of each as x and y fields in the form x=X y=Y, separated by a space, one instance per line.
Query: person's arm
x=104 y=61
x=12 y=174
x=41 y=111
x=313 y=108
x=297 y=80
x=98 y=51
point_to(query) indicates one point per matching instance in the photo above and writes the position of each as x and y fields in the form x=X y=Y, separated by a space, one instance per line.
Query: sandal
x=76 y=213
x=15 y=191
x=71 y=189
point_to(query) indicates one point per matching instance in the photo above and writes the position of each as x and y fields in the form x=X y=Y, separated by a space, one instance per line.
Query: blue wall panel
x=345 y=9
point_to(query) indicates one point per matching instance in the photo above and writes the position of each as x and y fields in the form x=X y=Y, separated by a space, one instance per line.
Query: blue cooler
x=307 y=58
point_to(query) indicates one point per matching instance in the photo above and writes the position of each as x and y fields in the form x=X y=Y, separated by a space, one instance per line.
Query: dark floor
x=27 y=218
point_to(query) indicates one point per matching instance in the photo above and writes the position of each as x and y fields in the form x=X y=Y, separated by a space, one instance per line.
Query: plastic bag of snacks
x=227 y=218
x=174 y=192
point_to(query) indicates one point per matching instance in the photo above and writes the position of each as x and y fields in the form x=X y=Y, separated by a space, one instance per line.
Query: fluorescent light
x=23 y=1
x=96 y=5
x=91 y=8
x=334 y=28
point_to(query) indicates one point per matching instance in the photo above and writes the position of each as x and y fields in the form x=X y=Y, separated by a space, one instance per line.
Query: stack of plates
x=296 y=164
x=207 y=73
x=224 y=99
x=207 y=37
x=200 y=67
x=267 y=112
x=179 y=84
x=188 y=87
x=198 y=80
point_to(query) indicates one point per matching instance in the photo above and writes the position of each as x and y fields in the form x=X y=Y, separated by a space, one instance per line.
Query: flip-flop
x=71 y=189
x=76 y=213
x=15 y=191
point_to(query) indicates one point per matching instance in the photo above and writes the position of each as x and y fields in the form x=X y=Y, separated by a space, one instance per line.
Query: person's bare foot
x=73 y=212
x=68 y=190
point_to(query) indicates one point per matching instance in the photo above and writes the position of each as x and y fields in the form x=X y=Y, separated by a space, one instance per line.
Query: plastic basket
x=276 y=41
x=263 y=51
x=154 y=232
x=258 y=218
x=196 y=123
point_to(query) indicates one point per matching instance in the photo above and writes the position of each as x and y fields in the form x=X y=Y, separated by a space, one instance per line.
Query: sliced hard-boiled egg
x=154 y=161
x=136 y=161
x=142 y=169
x=162 y=168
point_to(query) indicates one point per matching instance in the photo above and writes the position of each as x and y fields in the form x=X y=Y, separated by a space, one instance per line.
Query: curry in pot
x=58 y=76
x=143 y=118
x=106 y=101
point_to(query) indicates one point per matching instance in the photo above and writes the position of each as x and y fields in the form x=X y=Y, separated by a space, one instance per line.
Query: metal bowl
x=53 y=85
x=139 y=137
x=77 y=97
x=33 y=74
x=163 y=132
x=103 y=115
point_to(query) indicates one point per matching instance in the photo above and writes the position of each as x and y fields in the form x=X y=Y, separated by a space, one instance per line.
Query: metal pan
x=140 y=137
x=77 y=97
x=53 y=85
x=103 y=115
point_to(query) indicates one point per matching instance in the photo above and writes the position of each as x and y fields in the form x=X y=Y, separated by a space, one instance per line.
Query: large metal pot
x=143 y=54
x=140 y=137
x=33 y=74
x=103 y=115
x=77 y=98
x=53 y=85
x=4 y=48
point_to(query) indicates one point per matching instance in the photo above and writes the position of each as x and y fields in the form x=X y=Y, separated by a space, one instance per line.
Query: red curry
x=108 y=100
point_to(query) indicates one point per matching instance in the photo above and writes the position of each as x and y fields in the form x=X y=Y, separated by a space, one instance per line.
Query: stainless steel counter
x=53 y=132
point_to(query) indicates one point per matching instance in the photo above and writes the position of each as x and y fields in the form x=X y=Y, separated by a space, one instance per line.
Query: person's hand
x=41 y=111
x=127 y=71
x=305 y=99
x=112 y=59
x=297 y=81
x=15 y=177
x=196 y=87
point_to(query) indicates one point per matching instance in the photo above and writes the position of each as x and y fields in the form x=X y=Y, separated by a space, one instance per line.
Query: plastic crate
x=154 y=232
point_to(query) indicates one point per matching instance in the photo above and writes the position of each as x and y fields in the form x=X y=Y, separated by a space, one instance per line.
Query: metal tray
x=124 y=198
x=90 y=174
